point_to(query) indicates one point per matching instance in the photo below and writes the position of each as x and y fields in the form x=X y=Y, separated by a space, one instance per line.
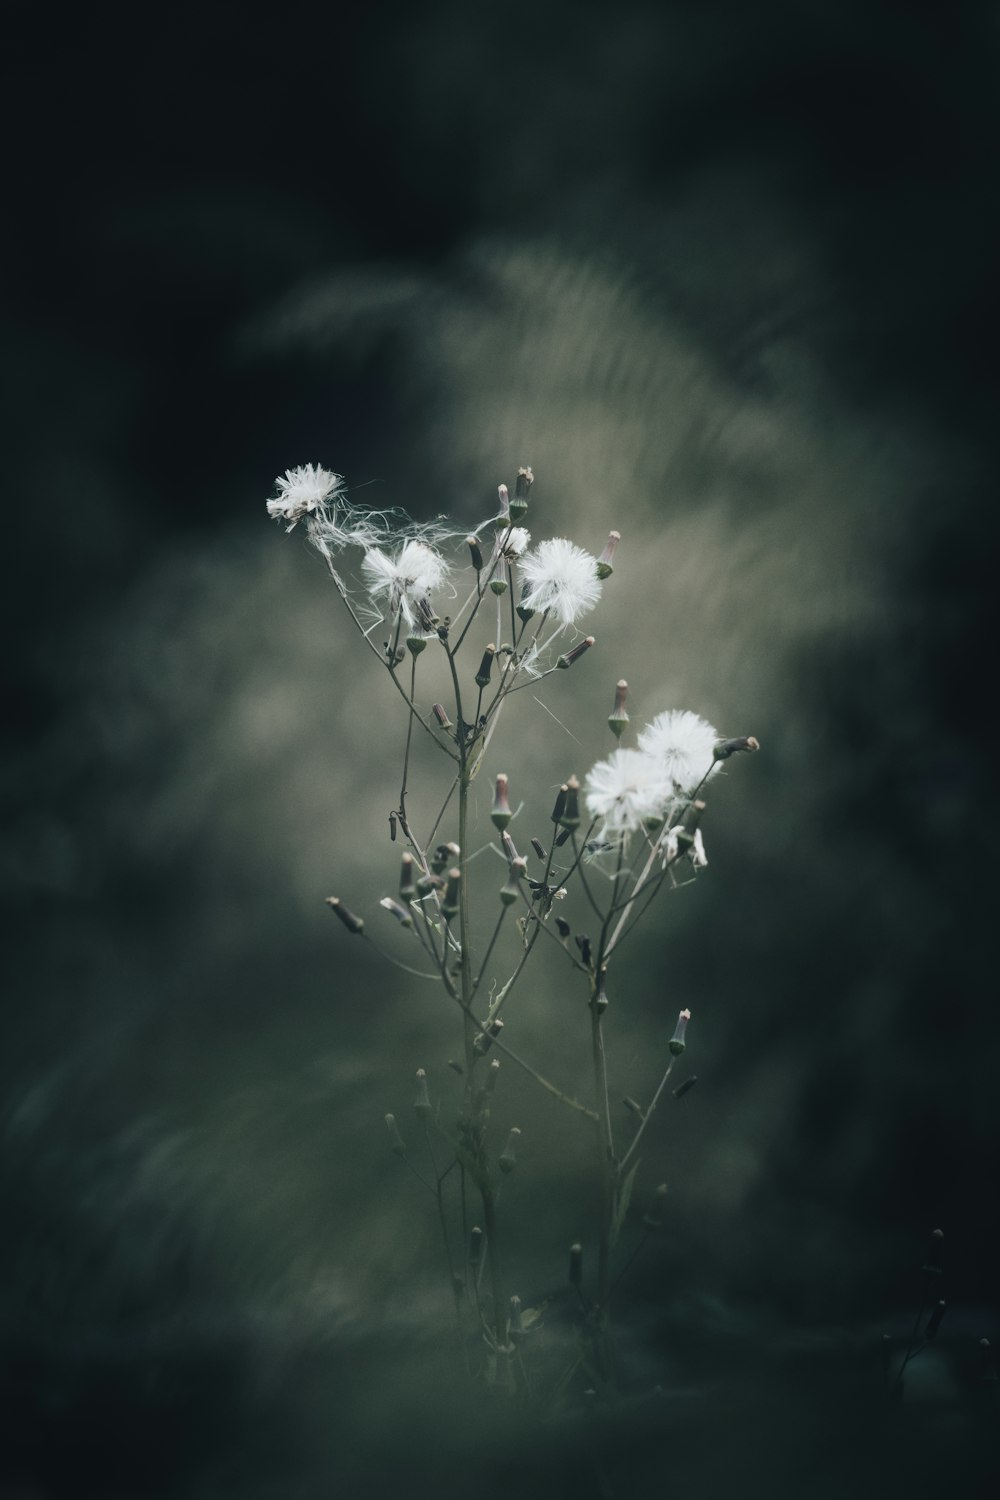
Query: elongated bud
x=428 y=883
x=504 y=512
x=563 y=928
x=498 y=583
x=421 y=1098
x=560 y=807
x=570 y=817
x=415 y=644
x=932 y=1263
x=501 y=813
x=449 y=901
x=507 y=1160
x=511 y=891
x=618 y=718
x=456 y=1067
x=476 y=1238
x=486 y=667
x=407 y=889
x=934 y=1321
x=632 y=1106
x=605 y=563
x=539 y=848
x=351 y=922
x=444 y=854
x=686 y=1086
x=516 y=1324
x=519 y=500
x=569 y=657
x=439 y=712
x=525 y=613
x=392 y=826
x=575 y=1264
x=676 y=1043
x=483 y=1040
x=509 y=847
x=583 y=943
x=426 y=617
x=601 y=998
x=492 y=1074
x=687 y=828
x=726 y=748
x=653 y=1218
x=475 y=552
x=399 y=912
x=396 y=1143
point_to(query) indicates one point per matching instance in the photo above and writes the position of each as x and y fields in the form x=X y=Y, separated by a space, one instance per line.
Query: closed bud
x=443 y=855
x=399 y=912
x=539 y=848
x=475 y=552
x=601 y=998
x=632 y=1106
x=522 y=485
x=676 y=1043
x=726 y=748
x=428 y=883
x=415 y=644
x=426 y=617
x=501 y=813
x=516 y=1323
x=407 y=889
x=421 y=1099
x=569 y=657
x=392 y=826
x=456 y=1067
x=932 y=1265
x=509 y=847
x=563 y=927
x=583 y=943
x=483 y=1040
x=486 y=667
x=605 y=563
x=450 y=899
x=934 y=1321
x=396 y=1143
x=498 y=583
x=511 y=890
x=476 y=1238
x=686 y=1086
x=570 y=818
x=492 y=1073
x=653 y=1218
x=353 y=924
x=560 y=807
x=507 y=1159
x=575 y=1265
x=504 y=512
x=618 y=718
x=441 y=715
x=524 y=611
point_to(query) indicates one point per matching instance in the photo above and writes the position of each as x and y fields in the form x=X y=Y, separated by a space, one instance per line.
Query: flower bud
x=560 y=806
x=396 y=1143
x=428 y=883
x=415 y=644
x=601 y=998
x=507 y=1159
x=653 y=1218
x=686 y=1086
x=483 y=1040
x=563 y=927
x=605 y=563
x=492 y=1073
x=525 y=613
x=501 y=813
x=632 y=1106
x=486 y=667
x=351 y=922
x=399 y=912
x=441 y=715
x=407 y=889
x=570 y=817
x=569 y=657
x=476 y=1238
x=426 y=617
x=575 y=1264
x=725 y=748
x=449 y=901
x=618 y=718
x=519 y=499
x=516 y=1324
x=504 y=512
x=443 y=854
x=511 y=891
x=539 y=848
x=475 y=552
x=934 y=1321
x=932 y=1264
x=583 y=943
x=392 y=827
x=676 y=1043
x=509 y=847
x=498 y=583
x=422 y=1099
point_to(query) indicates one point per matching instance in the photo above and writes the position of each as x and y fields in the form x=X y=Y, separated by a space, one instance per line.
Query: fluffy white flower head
x=681 y=744
x=303 y=491
x=514 y=543
x=625 y=790
x=561 y=578
x=416 y=572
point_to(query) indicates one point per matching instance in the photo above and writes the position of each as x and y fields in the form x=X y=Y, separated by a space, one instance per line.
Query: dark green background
x=242 y=241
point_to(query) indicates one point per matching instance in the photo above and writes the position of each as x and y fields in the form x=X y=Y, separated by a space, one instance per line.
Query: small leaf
x=624 y=1198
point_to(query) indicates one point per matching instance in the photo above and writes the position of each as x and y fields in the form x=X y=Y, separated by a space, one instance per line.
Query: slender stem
x=489 y=948
x=540 y=1079
x=406 y=752
x=646 y=1117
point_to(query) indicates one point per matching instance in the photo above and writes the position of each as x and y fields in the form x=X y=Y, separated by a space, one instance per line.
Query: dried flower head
x=402 y=581
x=561 y=578
x=625 y=790
x=303 y=491
x=682 y=744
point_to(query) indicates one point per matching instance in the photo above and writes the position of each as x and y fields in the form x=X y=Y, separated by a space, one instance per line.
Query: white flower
x=413 y=574
x=625 y=790
x=681 y=743
x=561 y=578
x=698 y=856
x=302 y=491
x=515 y=542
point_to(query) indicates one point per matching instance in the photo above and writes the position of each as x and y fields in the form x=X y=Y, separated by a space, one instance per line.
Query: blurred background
x=725 y=277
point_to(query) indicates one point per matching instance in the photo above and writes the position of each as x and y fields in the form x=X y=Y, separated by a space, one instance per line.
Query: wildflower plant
x=499 y=612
